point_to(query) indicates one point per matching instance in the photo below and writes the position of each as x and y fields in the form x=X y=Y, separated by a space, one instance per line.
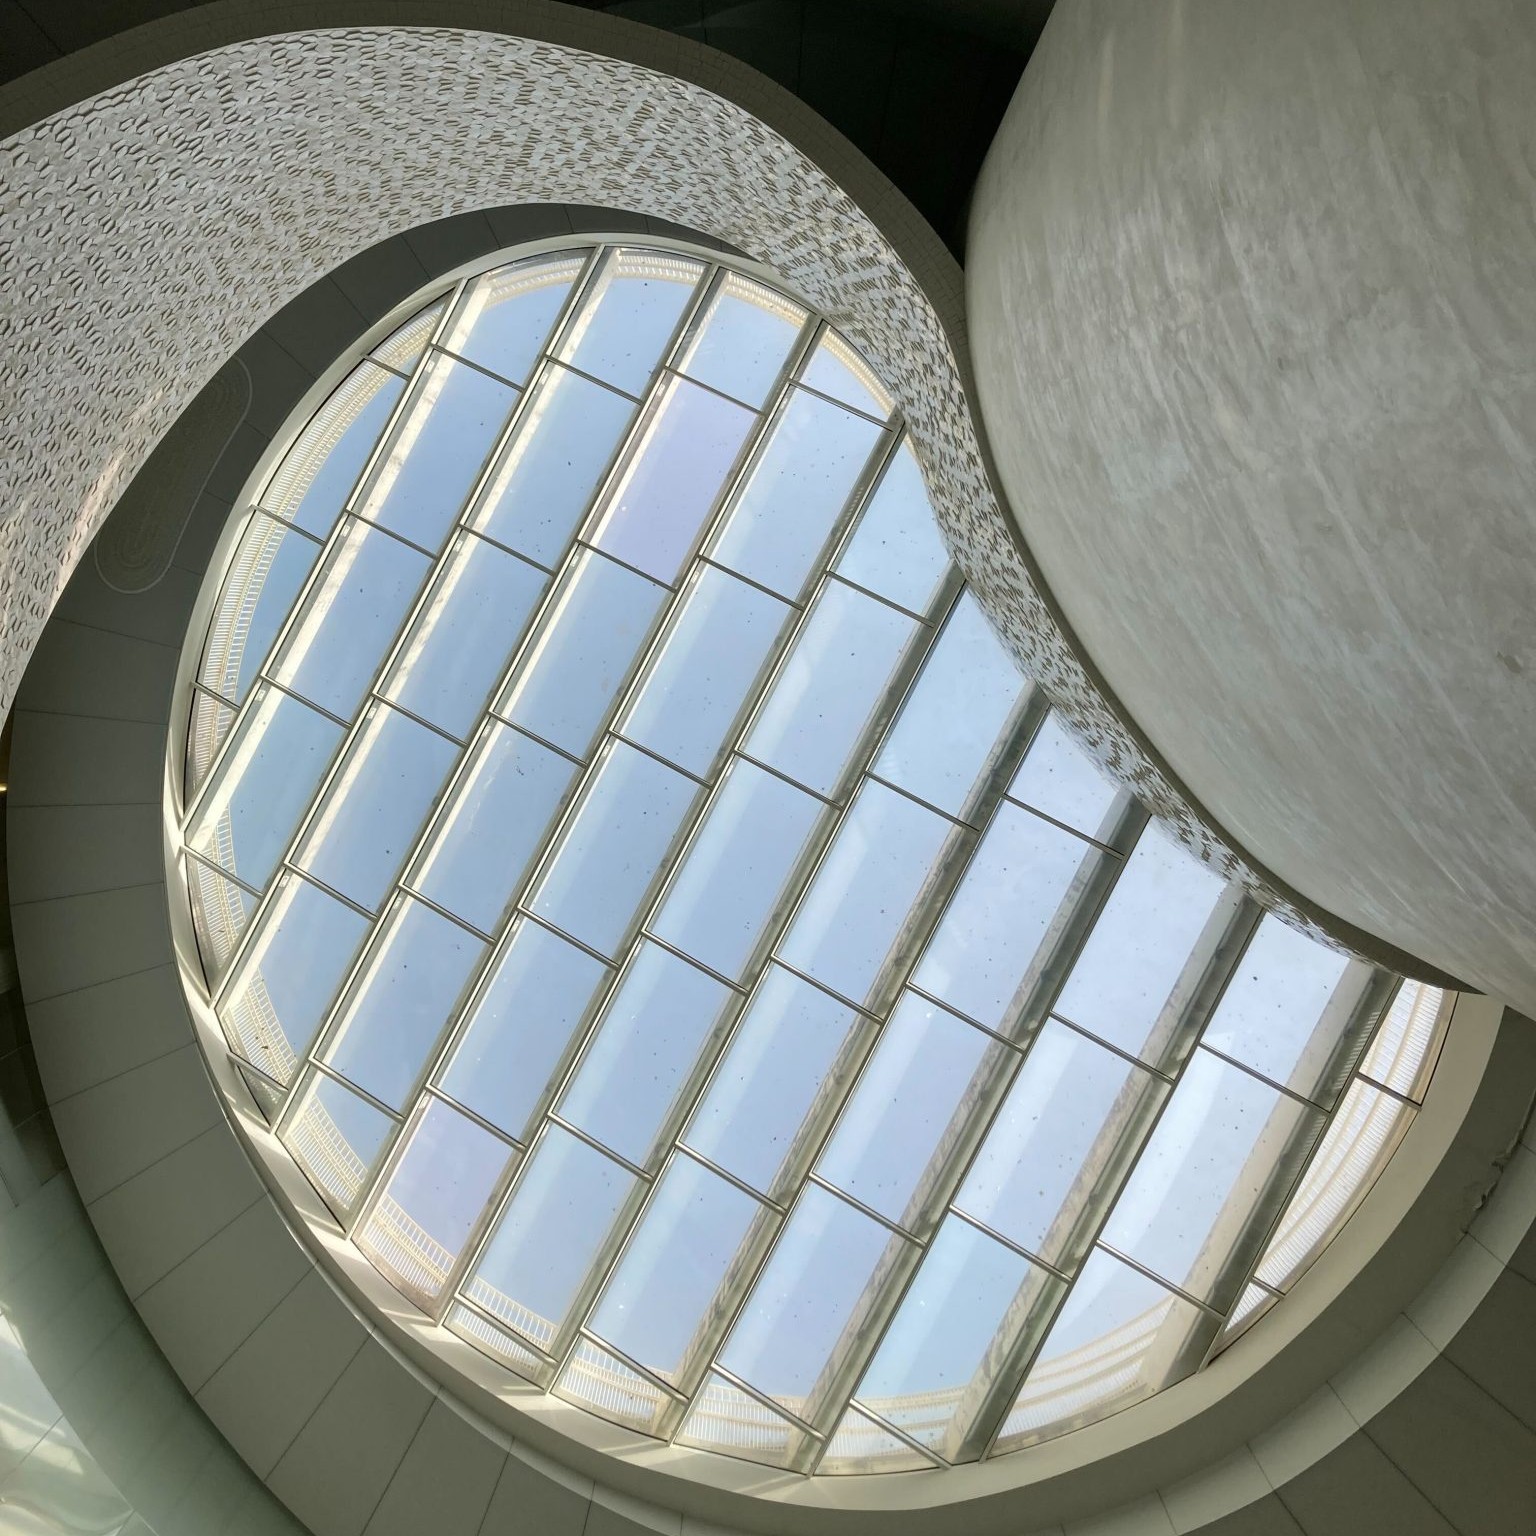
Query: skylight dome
x=692 y=961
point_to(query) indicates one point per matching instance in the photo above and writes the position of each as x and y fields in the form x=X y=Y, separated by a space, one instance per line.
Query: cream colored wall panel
x=85 y=760
x=57 y=850
x=616 y=1514
x=537 y=1497
x=1200 y=1501
x=78 y=941
x=444 y=1481
x=102 y=673
x=161 y=619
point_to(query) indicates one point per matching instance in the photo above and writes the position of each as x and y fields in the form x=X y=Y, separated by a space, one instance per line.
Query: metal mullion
x=997 y=1237
x=311 y=1064
x=375 y=697
x=865 y=1411
x=1078 y=832
x=895 y=1228
x=400 y=889
x=666 y=762
x=789 y=602
x=842 y=405
x=1159 y=1073
x=437 y=349
x=501 y=1325
x=1269 y=1082
x=820 y=328
x=194 y=857
x=461 y=526
x=433 y=1091
x=585 y=1335
x=669 y=371
x=643 y=935
x=919 y=618
x=1162 y=1280
x=586 y=545
x=591 y=378
x=870 y=776
x=1391 y=1093
x=746 y=1387
x=683 y=1149
x=737 y=755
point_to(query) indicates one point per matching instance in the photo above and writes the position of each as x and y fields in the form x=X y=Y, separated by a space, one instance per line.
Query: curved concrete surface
x=1253 y=313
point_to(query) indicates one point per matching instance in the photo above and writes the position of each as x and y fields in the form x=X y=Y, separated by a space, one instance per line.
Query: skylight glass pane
x=581 y=653
x=795 y=492
x=613 y=848
x=883 y=860
x=445 y=435
x=336 y=1138
x=208 y=726
x=460 y=643
x=220 y=912
x=743 y=339
x=648 y=1041
x=1003 y=925
x=1402 y=1054
x=351 y=618
x=415 y=974
x=713 y=651
x=493 y=826
x=836 y=369
x=738 y=870
x=605 y=1384
x=834 y=681
x=860 y=1444
x=403 y=347
x=499 y=1343
x=914 y=1111
x=505 y=316
x=375 y=805
x=896 y=549
x=1059 y=779
x=724 y=1418
x=687 y=445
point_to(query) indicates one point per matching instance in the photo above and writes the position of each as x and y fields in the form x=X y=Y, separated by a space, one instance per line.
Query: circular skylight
x=692 y=961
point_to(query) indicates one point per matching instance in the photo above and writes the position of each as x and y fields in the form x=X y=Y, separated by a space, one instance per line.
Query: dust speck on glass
x=687 y=955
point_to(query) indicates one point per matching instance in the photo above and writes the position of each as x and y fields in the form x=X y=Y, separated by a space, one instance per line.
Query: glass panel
x=503 y=318
x=415 y=975
x=629 y=315
x=1226 y=1146
x=1004 y=922
x=909 y=1117
x=280 y=751
x=402 y=348
x=317 y=474
x=543 y=484
x=660 y=1295
x=1119 y=1338
x=1402 y=1055
x=565 y=1202
x=434 y=1197
x=206 y=731
x=1060 y=779
x=1251 y=1306
x=268 y=1097
x=837 y=370
x=647 y=1042
x=375 y=805
x=859 y=1444
x=811 y=1300
x=786 y=1069
x=603 y=1383
x=834 y=681
x=461 y=642
x=882 y=863
x=957 y=720
x=743 y=339
x=724 y=1418
x=270 y=564
x=582 y=652
x=448 y=429
x=496 y=1342
x=969 y=1302
x=735 y=875
x=289 y=975
x=220 y=911
x=686 y=448
x=797 y=488
x=1067 y=1130
x=335 y=1137
x=1133 y=977
x=896 y=549
x=613 y=847
x=352 y=617
x=713 y=651
x=493 y=826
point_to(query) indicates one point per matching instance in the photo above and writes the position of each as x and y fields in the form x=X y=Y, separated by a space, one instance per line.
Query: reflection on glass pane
x=712 y=653
x=351 y=618
x=957 y=719
x=415 y=973
x=1118 y=1339
x=797 y=489
x=629 y=315
x=879 y=868
x=647 y=1043
x=1060 y=779
x=613 y=847
x=1402 y=1055
x=504 y=317
x=834 y=680
x=969 y=1301
x=859 y=1444
x=264 y=578
x=724 y=1418
x=545 y=479
x=521 y=1026
x=909 y=1116
x=743 y=338
x=289 y=975
x=581 y=653
x=492 y=826
x=446 y=434
x=206 y=730
x=268 y=1097
x=220 y=911
x=1001 y=927
x=603 y=1383
x=564 y=1204
x=685 y=450
x=460 y=643
x=808 y=1306
x=1133 y=976
x=335 y=1137
x=497 y=1342
x=1067 y=1128
x=1227 y=1146
x=1251 y=1306
x=676 y=1261
x=317 y=474
x=837 y=370
x=375 y=804
x=280 y=751
x=434 y=1196
x=896 y=549
x=403 y=347
x=737 y=870
x=785 y=1069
